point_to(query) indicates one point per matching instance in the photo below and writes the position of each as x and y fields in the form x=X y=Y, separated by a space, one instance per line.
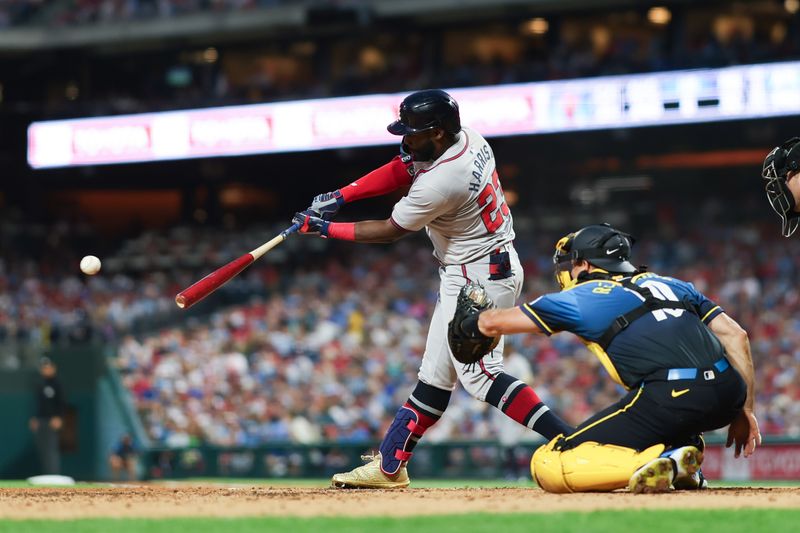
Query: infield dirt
x=199 y=501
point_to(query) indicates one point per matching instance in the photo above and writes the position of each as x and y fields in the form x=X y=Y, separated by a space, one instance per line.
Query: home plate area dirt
x=161 y=502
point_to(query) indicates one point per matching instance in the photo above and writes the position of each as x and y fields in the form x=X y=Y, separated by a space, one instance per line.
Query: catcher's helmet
x=600 y=245
x=777 y=165
x=425 y=110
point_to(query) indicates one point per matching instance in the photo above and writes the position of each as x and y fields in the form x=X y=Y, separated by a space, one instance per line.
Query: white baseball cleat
x=370 y=476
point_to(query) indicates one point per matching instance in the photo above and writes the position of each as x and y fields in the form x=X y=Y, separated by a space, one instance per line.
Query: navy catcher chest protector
x=651 y=303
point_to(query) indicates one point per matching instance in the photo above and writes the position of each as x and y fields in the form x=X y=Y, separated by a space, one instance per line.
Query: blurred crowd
x=332 y=351
x=77 y=12
x=325 y=357
x=325 y=340
x=16 y=12
x=45 y=301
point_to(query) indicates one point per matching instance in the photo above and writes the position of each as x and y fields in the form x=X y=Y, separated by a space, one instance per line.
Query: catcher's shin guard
x=422 y=410
x=587 y=467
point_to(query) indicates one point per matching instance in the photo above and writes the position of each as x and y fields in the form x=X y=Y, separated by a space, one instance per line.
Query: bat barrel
x=218 y=278
x=190 y=296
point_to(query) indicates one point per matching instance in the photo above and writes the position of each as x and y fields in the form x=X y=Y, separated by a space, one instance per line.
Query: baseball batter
x=455 y=194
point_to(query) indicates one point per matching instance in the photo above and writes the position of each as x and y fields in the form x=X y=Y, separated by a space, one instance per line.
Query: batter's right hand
x=310 y=222
x=327 y=204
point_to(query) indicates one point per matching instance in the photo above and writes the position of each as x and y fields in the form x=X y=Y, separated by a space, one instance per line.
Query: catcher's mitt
x=466 y=341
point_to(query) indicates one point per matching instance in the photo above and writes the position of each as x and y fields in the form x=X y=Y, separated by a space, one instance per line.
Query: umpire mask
x=777 y=165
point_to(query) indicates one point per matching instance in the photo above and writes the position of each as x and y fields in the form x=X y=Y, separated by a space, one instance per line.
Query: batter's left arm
x=393 y=175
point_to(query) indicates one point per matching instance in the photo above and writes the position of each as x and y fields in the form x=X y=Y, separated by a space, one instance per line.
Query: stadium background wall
x=96 y=415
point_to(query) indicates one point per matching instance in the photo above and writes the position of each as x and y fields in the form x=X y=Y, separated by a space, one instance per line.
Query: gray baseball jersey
x=459 y=201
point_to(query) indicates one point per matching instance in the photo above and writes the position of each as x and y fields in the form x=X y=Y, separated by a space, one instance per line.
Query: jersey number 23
x=493 y=203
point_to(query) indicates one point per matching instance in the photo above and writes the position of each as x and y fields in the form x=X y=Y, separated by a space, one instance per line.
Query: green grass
x=744 y=521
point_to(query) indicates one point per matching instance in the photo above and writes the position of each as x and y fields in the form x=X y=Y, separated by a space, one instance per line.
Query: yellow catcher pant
x=588 y=467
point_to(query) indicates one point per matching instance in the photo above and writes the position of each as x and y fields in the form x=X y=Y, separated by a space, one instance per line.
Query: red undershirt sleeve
x=382 y=180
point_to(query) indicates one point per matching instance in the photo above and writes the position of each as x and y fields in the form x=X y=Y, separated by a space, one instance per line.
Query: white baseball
x=90 y=265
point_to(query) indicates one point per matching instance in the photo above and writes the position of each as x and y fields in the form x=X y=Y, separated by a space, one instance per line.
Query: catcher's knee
x=587 y=467
x=546 y=468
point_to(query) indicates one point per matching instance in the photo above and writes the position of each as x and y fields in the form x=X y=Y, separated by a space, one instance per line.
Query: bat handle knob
x=291 y=229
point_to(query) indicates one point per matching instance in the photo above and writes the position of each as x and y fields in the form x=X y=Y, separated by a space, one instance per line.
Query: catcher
x=685 y=362
x=782 y=171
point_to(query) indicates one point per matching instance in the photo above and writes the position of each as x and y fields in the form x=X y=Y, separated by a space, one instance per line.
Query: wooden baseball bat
x=199 y=290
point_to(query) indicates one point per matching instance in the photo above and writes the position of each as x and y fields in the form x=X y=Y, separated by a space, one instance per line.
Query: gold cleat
x=370 y=476
x=654 y=477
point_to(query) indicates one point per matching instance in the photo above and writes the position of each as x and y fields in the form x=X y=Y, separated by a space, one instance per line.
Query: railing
x=779 y=458
x=473 y=459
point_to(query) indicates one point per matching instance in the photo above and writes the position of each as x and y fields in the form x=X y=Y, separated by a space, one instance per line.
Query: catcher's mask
x=599 y=244
x=777 y=165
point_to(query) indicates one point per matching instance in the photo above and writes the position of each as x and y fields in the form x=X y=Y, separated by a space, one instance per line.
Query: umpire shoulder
x=466 y=341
